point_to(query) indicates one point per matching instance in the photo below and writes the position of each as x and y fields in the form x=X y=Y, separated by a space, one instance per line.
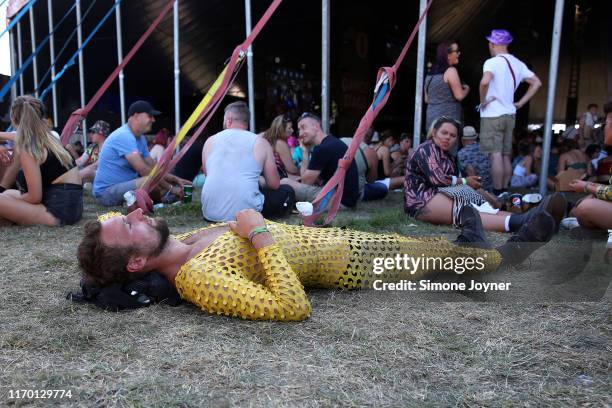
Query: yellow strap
x=196 y=113
x=192 y=119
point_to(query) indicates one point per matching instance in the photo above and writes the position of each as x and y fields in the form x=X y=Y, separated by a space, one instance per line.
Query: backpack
x=142 y=292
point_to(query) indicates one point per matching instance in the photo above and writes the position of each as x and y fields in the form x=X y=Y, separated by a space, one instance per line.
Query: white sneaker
x=570 y=223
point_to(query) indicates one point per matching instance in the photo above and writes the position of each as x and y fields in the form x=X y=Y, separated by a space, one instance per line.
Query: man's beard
x=161 y=227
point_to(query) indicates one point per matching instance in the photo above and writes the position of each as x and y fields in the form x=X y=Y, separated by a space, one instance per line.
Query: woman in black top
x=52 y=194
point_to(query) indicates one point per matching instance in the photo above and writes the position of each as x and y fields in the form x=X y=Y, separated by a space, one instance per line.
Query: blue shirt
x=470 y=155
x=113 y=167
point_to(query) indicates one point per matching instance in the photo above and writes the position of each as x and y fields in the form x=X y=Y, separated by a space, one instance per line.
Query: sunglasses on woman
x=445 y=119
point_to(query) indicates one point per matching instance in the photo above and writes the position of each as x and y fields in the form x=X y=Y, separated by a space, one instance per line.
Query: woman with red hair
x=159 y=144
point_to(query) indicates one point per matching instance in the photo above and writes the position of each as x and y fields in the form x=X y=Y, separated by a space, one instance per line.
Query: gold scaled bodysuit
x=230 y=277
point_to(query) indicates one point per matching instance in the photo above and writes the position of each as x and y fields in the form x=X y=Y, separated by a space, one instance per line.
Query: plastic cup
x=531 y=200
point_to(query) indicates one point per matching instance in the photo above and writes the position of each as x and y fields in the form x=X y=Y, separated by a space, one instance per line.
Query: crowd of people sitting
x=436 y=182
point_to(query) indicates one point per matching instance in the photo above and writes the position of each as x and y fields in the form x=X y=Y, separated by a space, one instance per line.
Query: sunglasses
x=445 y=119
x=308 y=115
x=450 y=51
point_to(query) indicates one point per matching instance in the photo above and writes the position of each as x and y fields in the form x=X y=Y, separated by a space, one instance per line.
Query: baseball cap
x=142 y=106
x=500 y=37
x=100 y=127
x=469 y=132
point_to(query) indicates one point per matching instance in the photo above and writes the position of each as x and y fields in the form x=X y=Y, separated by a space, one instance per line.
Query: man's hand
x=473 y=181
x=172 y=179
x=173 y=184
x=518 y=105
x=486 y=102
x=246 y=221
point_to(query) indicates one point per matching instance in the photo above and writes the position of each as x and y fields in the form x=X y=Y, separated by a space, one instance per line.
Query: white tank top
x=232 y=176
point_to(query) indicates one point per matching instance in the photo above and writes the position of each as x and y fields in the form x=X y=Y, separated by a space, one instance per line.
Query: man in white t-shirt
x=502 y=74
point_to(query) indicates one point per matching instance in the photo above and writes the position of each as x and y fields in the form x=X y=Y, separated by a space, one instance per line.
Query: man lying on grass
x=256 y=269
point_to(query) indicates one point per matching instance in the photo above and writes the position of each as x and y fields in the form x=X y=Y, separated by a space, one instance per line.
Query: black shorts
x=64 y=202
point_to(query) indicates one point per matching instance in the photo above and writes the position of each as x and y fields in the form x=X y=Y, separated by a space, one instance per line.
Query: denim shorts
x=64 y=202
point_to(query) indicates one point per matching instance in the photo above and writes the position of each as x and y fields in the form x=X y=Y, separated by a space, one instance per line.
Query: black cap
x=142 y=106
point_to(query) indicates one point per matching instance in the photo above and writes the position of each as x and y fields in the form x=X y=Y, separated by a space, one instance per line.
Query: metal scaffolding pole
x=33 y=41
x=19 y=56
x=119 y=59
x=81 y=69
x=13 y=65
x=325 y=65
x=247 y=12
x=177 y=72
x=420 y=73
x=52 y=58
x=550 y=98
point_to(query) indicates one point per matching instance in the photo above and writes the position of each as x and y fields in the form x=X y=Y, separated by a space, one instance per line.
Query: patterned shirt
x=470 y=155
x=428 y=168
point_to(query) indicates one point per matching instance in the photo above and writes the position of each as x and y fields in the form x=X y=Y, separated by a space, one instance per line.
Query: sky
x=5 y=58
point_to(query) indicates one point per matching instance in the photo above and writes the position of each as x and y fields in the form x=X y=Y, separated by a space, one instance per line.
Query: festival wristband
x=586 y=187
x=256 y=231
x=463 y=180
x=453 y=180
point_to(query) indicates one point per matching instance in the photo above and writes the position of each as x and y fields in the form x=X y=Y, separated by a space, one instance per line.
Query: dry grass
x=358 y=349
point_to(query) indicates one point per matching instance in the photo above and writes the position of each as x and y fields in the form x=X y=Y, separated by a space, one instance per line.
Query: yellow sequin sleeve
x=225 y=290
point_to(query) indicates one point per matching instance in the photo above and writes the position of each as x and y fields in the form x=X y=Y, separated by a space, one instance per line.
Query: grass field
x=363 y=348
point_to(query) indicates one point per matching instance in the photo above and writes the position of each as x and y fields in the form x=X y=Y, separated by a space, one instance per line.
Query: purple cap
x=500 y=37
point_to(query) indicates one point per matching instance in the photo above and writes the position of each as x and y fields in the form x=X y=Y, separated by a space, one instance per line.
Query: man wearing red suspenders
x=502 y=73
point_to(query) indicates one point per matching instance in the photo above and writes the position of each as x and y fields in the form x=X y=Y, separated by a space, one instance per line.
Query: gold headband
x=108 y=215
